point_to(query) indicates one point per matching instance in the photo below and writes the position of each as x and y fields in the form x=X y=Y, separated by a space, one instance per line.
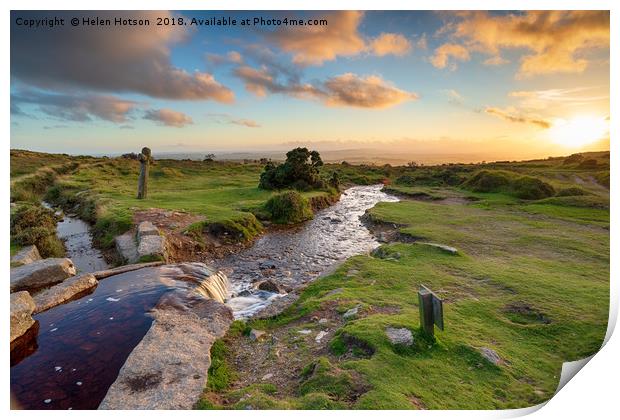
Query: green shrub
x=571 y=191
x=530 y=188
x=244 y=228
x=489 y=181
x=36 y=225
x=289 y=208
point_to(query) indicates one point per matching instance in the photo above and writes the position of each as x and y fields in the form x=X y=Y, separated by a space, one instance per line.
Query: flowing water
x=79 y=347
x=291 y=258
x=75 y=233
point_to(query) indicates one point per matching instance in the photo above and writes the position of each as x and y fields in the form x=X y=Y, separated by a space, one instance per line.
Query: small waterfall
x=209 y=283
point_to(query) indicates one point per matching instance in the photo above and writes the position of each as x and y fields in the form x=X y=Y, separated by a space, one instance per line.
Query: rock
x=267 y=377
x=64 y=291
x=270 y=286
x=490 y=355
x=146 y=229
x=267 y=265
x=127 y=248
x=256 y=335
x=385 y=254
x=401 y=336
x=351 y=313
x=446 y=248
x=304 y=332
x=320 y=336
x=42 y=273
x=152 y=246
x=168 y=368
x=27 y=255
x=22 y=307
x=323 y=321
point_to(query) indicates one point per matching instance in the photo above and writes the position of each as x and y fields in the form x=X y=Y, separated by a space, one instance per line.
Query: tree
x=299 y=171
x=210 y=157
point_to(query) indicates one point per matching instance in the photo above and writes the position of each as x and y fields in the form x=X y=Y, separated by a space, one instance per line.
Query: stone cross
x=145 y=160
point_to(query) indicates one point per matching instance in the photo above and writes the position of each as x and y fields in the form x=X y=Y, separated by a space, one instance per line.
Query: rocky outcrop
x=22 y=307
x=168 y=369
x=40 y=274
x=67 y=290
x=127 y=248
x=147 y=244
x=27 y=255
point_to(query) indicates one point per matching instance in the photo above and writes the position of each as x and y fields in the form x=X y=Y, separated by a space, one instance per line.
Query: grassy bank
x=103 y=191
x=530 y=282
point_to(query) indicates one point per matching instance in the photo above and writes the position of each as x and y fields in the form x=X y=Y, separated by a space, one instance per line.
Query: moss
x=321 y=376
x=150 y=258
x=220 y=373
x=319 y=401
x=289 y=208
x=33 y=224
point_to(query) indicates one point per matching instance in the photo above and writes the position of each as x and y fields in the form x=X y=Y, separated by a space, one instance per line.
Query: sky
x=463 y=86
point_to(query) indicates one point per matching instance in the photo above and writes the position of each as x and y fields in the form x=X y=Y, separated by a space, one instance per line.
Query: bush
x=489 y=181
x=530 y=188
x=244 y=228
x=572 y=191
x=574 y=158
x=289 y=208
x=299 y=171
x=588 y=164
x=36 y=225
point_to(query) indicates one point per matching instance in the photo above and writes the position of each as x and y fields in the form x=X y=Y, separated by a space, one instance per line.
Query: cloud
x=313 y=45
x=228 y=119
x=168 y=117
x=542 y=99
x=90 y=58
x=344 y=90
x=508 y=115
x=555 y=41
x=454 y=97
x=496 y=60
x=388 y=43
x=74 y=107
x=442 y=55
x=363 y=92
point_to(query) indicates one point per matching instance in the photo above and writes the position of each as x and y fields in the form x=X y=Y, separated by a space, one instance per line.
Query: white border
x=593 y=394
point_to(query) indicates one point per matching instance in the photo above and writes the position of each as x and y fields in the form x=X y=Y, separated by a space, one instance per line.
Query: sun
x=578 y=131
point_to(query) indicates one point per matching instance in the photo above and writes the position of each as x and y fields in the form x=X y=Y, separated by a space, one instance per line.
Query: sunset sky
x=487 y=85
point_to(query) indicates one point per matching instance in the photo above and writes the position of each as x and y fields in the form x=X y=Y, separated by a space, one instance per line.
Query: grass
x=530 y=281
x=105 y=192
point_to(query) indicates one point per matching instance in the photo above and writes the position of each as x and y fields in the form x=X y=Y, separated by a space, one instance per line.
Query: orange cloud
x=126 y=59
x=168 y=117
x=388 y=43
x=363 y=92
x=313 y=45
x=556 y=40
x=516 y=118
x=443 y=54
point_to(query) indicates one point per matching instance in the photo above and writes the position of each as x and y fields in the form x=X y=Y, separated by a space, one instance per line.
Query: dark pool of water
x=82 y=345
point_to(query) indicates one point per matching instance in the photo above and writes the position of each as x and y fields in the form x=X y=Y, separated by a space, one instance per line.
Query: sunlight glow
x=578 y=131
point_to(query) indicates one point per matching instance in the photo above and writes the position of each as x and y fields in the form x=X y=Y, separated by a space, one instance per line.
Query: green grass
x=550 y=258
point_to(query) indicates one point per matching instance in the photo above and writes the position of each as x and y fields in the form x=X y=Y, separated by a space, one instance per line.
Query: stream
x=80 y=346
x=296 y=256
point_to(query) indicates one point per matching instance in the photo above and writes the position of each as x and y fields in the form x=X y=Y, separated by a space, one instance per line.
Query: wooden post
x=425 y=299
x=145 y=160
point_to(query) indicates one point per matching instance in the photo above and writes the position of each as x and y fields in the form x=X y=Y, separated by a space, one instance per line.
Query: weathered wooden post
x=431 y=311
x=145 y=160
